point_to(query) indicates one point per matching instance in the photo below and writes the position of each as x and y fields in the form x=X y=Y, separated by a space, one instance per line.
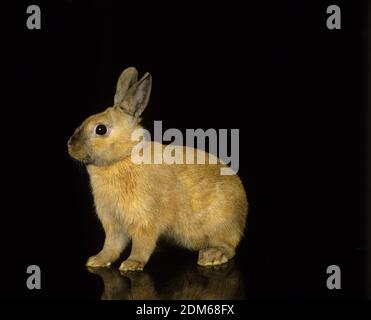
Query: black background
x=295 y=89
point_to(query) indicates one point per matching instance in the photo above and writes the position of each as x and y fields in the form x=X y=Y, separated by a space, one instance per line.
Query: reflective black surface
x=188 y=283
x=295 y=90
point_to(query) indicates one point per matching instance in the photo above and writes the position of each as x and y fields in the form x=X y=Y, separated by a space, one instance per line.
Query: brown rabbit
x=192 y=204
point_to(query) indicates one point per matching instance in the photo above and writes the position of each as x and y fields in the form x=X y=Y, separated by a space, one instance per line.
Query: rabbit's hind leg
x=214 y=256
x=219 y=250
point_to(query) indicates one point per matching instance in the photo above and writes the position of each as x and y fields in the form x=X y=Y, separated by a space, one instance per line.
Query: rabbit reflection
x=223 y=282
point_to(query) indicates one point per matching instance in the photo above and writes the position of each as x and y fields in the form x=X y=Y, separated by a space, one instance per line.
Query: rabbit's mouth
x=80 y=158
x=78 y=154
x=85 y=160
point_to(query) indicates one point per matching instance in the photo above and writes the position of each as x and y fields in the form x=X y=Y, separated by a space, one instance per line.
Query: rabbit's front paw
x=132 y=265
x=97 y=261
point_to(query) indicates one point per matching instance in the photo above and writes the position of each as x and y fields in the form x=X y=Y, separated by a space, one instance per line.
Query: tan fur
x=192 y=204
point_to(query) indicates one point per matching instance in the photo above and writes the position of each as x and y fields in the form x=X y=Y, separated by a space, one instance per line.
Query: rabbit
x=192 y=204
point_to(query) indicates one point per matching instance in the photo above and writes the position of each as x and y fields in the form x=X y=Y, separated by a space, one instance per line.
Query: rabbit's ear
x=127 y=78
x=136 y=98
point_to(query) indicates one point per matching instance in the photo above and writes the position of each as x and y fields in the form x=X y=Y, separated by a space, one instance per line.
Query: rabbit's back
x=217 y=203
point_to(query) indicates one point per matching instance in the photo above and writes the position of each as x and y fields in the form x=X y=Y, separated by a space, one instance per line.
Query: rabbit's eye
x=101 y=129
